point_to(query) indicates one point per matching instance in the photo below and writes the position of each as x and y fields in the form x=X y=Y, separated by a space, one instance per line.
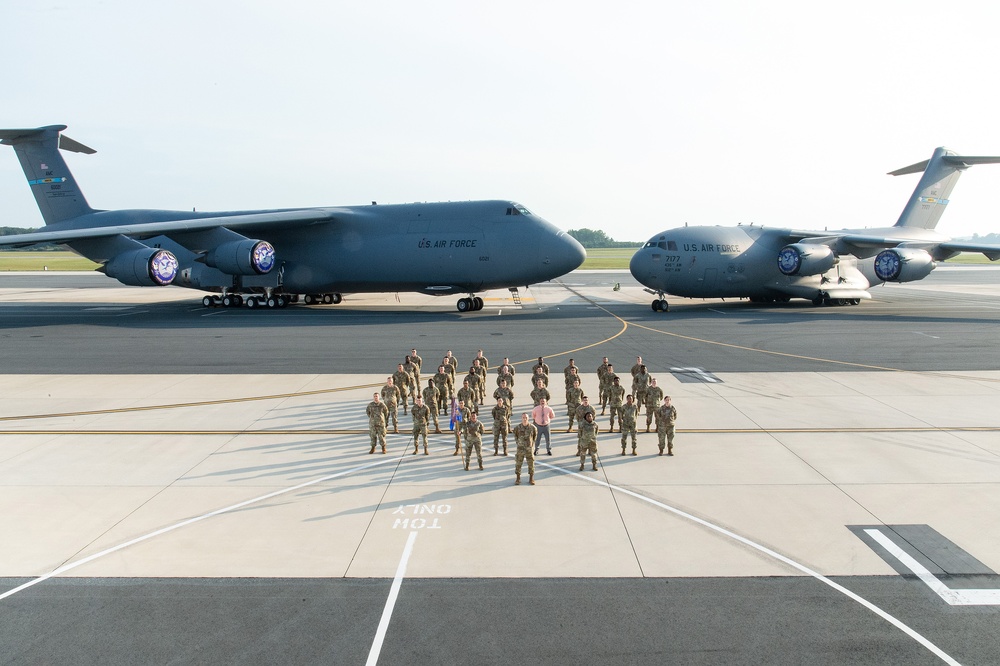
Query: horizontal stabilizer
x=959 y=161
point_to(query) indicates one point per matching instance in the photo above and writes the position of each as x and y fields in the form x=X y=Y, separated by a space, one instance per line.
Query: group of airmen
x=440 y=398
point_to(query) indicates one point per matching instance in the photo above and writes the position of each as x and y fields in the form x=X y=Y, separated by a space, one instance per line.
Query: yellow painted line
x=178 y=405
x=777 y=353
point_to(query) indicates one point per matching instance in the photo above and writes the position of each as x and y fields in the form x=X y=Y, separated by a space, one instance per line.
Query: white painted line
x=899 y=624
x=184 y=523
x=950 y=596
x=390 y=603
x=928 y=335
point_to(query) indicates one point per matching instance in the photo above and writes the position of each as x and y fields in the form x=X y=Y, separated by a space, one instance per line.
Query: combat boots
x=496 y=450
x=373 y=450
x=623 y=450
x=395 y=430
x=505 y=449
x=517 y=480
x=383 y=448
x=531 y=479
x=481 y=464
x=437 y=431
x=595 y=467
x=466 y=467
x=425 y=450
x=415 y=449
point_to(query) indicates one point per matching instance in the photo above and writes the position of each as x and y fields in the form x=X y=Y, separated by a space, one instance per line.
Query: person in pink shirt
x=542 y=416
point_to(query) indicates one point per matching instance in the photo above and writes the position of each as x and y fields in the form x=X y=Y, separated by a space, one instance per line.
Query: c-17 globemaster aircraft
x=829 y=268
x=270 y=257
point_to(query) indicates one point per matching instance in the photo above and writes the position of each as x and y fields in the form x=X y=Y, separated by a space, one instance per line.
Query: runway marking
x=190 y=521
x=960 y=597
x=928 y=335
x=390 y=603
x=899 y=624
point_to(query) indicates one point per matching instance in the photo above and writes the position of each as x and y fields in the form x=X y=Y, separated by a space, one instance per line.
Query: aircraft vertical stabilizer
x=56 y=192
x=941 y=172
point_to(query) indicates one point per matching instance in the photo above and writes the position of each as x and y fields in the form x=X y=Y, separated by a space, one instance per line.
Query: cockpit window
x=518 y=209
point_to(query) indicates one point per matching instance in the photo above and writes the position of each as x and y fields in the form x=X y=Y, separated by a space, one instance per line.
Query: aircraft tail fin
x=941 y=172
x=56 y=192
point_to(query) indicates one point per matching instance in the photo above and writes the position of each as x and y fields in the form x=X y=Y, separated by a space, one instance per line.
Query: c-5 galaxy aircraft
x=828 y=268
x=271 y=257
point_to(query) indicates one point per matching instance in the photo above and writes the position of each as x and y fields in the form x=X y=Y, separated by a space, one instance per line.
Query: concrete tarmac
x=159 y=513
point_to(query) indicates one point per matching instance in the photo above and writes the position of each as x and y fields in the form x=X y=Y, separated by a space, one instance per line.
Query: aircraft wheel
x=208 y=301
x=228 y=301
x=252 y=303
x=327 y=299
x=294 y=298
x=818 y=300
x=336 y=298
x=464 y=304
x=664 y=306
x=238 y=299
x=309 y=300
x=283 y=301
x=855 y=301
x=656 y=306
x=479 y=303
x=272 y=302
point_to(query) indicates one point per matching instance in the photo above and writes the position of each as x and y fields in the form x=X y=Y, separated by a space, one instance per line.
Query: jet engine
x=806 y=259
x=243 y=257
x=903 y=264
x=146 y=267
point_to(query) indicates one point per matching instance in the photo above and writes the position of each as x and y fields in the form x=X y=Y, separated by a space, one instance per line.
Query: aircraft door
x=708 y=282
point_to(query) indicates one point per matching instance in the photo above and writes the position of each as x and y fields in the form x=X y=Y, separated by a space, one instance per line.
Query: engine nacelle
x=806 y=259
x=244 y=257
x=147 y=267
x=903 y=264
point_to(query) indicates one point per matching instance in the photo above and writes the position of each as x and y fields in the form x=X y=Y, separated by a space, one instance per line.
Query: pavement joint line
x=899 y=624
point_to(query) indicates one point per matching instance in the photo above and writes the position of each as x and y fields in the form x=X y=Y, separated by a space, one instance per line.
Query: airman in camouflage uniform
x=421 y=415
x=413 y=370
x=541 y=365
x=483 y=361
x=450 y=370
x=574 y=396
x=452 y=360
x=615 y=396
x=459 y=418
x=473 y=440
x=538 y=376
x=581 y=414
x=634 y=371
x=602 y=370
x=468 y=396
x=390 y=400
x=501 y=426
x=588 y=440
x=641 y=384
x=525 y=434
x=431 y=401
x=506 y=368
x=377 y=413
x=572 y=376
x=568 y=370
x=443 y=384
x=480 y=371
x=666 y=417
x=404 y=382
x=419 y=362
x=505 y=376
x=540 y=392
x=474 y=382
x=626 y=422
x=609 y=377
x=654 y=394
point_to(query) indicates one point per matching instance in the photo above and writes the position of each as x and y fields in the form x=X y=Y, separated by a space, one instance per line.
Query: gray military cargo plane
x=271 y=257
x=829 y=268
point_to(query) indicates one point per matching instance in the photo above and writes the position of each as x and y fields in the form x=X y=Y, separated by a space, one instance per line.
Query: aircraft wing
x=848 y=242
x=140 y=230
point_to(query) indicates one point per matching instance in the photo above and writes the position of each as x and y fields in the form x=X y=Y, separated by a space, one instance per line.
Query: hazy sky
x=630 y=117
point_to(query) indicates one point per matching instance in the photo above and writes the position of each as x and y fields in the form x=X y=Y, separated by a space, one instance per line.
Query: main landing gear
x=470 y=304
x=268 y=300
x=660 y=304
x=324 y=299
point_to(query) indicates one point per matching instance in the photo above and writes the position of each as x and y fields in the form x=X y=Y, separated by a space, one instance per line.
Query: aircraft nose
x=564 y=254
